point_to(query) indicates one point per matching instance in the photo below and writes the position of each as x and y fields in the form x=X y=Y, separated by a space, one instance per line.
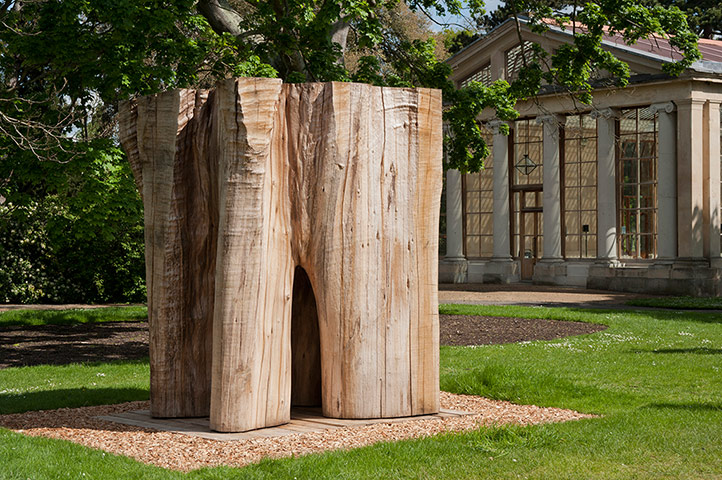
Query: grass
x=68 y=317
x=682 y=303
x=47 y=387
x=652 y=376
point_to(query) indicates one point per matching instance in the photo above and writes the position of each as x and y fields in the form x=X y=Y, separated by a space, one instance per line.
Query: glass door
x=530 y=238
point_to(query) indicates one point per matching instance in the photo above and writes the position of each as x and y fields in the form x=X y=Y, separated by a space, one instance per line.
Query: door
x=530 y=232
x=530 y=242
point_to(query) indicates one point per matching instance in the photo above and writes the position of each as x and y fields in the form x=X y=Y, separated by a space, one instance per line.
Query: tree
x=61 y=61
x=704 y=16
x=66 y=64
x=71 y=232
x=70 y=217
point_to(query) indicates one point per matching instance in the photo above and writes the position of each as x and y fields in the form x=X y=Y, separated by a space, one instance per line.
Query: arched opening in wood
x=305 y=344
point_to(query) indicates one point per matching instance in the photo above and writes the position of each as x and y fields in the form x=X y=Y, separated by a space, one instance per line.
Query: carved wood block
x=291 y=249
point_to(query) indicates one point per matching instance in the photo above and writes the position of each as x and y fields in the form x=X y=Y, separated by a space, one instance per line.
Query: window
x=479 y=207
x=580 y=187
x=483 y=76
x=526 y=168
x=526 y=171
x=514 y=60
x=637 y=183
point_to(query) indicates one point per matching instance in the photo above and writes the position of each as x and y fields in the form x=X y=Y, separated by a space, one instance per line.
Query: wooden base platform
x=303 y=420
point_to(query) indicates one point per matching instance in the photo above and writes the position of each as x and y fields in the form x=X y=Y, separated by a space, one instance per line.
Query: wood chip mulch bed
x=59 y=345
x=477 y=330
x=182 y=452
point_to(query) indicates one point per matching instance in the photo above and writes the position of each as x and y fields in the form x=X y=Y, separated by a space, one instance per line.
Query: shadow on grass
x=697 y=350
x=604 y=316
x=652 y=314
x=679 y=303
x=692 y=350
x=692 y=406
x=79 y=343
x=68 y=398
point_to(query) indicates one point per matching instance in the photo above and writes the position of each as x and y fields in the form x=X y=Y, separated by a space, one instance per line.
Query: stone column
x=666 y=181
x=552 y=189
x=690 y=179
x=454 y=216
x=712 y=181
x=502 y=268
x=502 y=246
x=454 y=260
x=606 y=185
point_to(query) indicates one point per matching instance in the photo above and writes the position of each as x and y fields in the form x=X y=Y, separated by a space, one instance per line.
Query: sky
x=491 y=5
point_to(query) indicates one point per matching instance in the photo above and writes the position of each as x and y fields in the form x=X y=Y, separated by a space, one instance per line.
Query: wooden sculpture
x=291 y=249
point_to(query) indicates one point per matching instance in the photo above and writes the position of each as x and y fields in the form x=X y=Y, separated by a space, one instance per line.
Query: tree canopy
x=66 y=194
x=66 y=64
x=704 y=16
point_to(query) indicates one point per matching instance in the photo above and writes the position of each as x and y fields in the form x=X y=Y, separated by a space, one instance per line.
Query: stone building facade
x=622 y=195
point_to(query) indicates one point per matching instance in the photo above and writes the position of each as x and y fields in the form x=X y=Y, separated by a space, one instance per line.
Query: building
x=622 y=195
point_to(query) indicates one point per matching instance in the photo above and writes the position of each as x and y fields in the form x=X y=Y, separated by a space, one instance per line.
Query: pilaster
x=711 y=172
x=666 y=181
x=690 y=179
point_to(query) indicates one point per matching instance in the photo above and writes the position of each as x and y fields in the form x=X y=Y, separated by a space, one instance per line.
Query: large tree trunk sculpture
x=291 y=249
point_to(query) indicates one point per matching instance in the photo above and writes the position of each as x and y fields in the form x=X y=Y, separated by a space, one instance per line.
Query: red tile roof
x=711 y=50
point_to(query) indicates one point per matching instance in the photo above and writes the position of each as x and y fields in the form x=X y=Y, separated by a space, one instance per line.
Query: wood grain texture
x=176 y=178
x=256 y=183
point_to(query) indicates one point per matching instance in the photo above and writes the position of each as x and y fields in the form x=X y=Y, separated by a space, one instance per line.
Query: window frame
x=640 y=213
x=579 y=188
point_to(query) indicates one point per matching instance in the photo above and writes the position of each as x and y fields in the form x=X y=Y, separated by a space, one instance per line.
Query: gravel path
x=525 y=294
x=182 y=452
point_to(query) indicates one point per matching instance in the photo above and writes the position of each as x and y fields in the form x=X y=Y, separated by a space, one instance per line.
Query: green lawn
x=652 y=376
x=67 y=317
x=682 y=303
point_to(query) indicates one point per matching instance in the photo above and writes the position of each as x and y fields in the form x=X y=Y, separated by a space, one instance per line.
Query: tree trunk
x=221 y=16
x=258 y=184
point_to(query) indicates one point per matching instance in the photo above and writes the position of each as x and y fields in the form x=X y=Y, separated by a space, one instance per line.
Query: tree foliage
x=704 y=16
x=71 y=232
x=70 y=220
x=62 y=59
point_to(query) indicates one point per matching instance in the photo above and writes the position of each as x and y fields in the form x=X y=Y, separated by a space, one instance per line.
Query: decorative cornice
x=690 y=102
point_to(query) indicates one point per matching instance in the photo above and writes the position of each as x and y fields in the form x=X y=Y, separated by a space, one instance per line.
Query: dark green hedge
x=72 y=231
